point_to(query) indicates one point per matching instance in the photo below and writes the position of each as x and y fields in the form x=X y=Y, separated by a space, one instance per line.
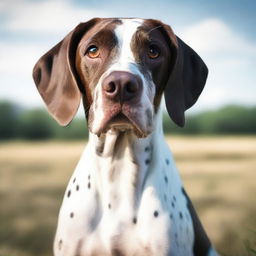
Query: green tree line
x=36 y=124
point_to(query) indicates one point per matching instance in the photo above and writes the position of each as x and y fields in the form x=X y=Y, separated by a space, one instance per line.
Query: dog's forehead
x=127 y=28
x=123 y=28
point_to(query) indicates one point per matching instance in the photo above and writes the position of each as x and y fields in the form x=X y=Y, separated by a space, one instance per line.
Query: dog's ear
x=56 y=78
x=188 y=74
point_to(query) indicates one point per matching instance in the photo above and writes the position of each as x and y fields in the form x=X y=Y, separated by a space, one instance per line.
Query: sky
x=222 y=32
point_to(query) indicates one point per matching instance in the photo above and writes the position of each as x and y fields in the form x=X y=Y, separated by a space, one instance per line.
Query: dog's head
x=121 y=68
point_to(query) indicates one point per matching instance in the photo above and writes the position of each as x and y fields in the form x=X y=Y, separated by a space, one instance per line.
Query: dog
x=125 y=196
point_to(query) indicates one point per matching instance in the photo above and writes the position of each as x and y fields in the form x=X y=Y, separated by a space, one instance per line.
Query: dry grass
x=219 y=174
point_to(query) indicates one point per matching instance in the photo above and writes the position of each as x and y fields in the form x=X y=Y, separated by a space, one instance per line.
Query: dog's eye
x=153 y=51
x=93 y=52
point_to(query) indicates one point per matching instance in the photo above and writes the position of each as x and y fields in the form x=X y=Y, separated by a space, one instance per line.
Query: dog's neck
x=128 y=160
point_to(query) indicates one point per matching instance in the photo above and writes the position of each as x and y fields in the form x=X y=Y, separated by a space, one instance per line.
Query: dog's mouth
x=119 y=122
x=124 y=118
x=123 y=123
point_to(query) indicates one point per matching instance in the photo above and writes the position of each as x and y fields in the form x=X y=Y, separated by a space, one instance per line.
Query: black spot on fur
x=155 y=214
x=89 y=185
x=174 y=198
x=69 y=193
x=167 y=161
x=173 y=205
x=147 y=149
x=147 y=161
x=181 y=215
x=89 y=177
x=77 y=187
x=117 y=252
x=134 y=220
x=60 y=244
x=71 y=215
x=109 y=206
x=166 y=179
x=74 y=180
x=171 y=216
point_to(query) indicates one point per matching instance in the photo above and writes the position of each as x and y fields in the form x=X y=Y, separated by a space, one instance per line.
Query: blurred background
x=215 y=152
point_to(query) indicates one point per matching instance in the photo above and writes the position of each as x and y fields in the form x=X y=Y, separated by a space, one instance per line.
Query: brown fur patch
x=202 y=243
x=155 y=32
x=90 y=70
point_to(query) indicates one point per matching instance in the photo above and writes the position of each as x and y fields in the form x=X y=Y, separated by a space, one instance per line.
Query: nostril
x=121 y=86
x=131 y=87
x=110 y=87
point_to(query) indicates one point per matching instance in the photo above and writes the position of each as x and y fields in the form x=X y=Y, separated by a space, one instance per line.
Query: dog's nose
x=121 y=86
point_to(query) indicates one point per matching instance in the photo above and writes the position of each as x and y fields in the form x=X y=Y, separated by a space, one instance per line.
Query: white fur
x=96 y=225
x=124 y=34
x=130 y=178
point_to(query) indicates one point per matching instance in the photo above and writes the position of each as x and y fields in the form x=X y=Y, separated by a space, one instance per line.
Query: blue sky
x=221 y=31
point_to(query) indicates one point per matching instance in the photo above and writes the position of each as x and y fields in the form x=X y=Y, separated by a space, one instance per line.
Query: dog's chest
x=125 y=208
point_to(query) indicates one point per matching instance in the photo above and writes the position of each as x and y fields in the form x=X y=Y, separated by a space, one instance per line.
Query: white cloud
x=46 y=16
x=230 y=58
x=213 y=36
x=17 y=58
x=16 y=65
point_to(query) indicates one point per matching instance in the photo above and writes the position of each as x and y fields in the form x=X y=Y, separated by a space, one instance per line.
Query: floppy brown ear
x=56 y=78
x=186 y=81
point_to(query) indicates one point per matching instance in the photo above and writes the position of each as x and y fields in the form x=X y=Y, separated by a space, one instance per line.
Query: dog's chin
x=122 y=123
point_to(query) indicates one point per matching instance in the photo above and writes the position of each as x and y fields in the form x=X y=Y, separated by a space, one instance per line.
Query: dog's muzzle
x=121 y=94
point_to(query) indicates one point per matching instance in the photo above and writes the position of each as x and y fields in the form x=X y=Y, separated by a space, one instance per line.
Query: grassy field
x=219 y=174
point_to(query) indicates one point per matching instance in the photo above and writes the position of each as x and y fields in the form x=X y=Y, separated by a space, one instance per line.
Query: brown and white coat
x=125 y=196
